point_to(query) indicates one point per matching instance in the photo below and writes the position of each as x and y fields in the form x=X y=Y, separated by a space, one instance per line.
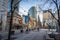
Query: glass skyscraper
x=33 y=13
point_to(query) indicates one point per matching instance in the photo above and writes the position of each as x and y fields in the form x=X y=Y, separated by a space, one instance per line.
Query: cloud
x=22 y=12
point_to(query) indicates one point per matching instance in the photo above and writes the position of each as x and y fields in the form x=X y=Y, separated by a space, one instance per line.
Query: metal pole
x=9 y=34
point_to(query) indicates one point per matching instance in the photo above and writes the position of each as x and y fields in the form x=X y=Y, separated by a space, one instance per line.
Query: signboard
x=26 y=19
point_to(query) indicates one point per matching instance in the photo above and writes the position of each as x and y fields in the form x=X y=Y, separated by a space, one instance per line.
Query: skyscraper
x=38 y=12
x=34 y=12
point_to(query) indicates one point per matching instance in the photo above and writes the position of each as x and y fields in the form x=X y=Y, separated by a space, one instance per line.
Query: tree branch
x=52 y=15
x=47 y=1
x=55 y=3
x=17 y=2
x=14 y=7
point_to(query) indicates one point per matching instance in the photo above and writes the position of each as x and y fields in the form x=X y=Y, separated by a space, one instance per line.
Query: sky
x=9 y=5
x=25 y=5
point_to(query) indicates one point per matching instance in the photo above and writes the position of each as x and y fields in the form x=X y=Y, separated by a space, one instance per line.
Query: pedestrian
x=21 y=29
x=38 y=28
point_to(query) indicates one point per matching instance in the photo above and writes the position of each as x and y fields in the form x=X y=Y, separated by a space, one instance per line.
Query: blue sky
x=27 y=4
x=9 y=4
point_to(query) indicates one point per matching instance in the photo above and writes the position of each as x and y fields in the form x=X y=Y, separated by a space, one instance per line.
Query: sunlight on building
x=41 y=17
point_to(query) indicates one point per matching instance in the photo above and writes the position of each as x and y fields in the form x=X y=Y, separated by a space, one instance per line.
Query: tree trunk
x=58 y=20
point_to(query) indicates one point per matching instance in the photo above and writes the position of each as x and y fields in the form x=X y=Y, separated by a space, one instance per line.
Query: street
x=29 y=35
x=33 y=36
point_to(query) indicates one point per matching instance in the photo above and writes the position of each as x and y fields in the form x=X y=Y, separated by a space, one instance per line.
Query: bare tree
x=57 y=7
x=13 y=8
x=55 y=2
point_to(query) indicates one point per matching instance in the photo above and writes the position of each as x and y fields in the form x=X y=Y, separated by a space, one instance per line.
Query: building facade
x=34 y=12
x=3 y=13
x=16 y=16
x=48 y=20
x=16 y=20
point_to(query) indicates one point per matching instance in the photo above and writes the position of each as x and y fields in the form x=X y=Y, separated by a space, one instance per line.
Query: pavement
x=35 y=35
x=30 y=35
